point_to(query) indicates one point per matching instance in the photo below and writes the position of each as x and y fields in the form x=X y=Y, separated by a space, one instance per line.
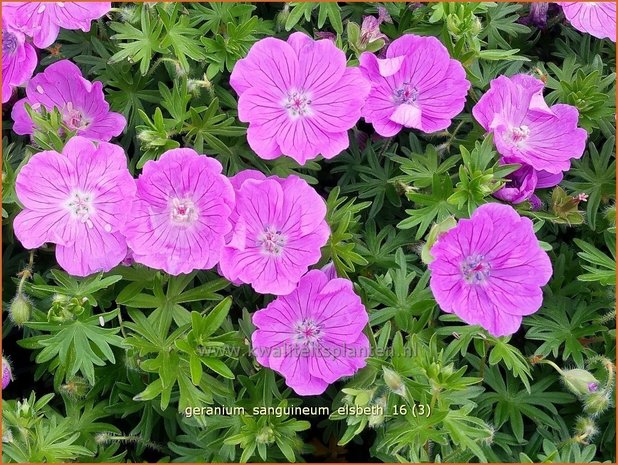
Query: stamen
x=271 y=241
x=307 y=331
x=407 y=93
x=80 y=205
x=297 y=104
x=183 y=212
x=475 y=269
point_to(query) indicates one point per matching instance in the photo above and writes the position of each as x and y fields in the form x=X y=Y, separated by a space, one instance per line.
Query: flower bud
x=19 y=311
x=76 y=388
x=596 y=403
x=377 y=419
x=580 y=382
x=434 y=234
x=7 y=374
x=394 y=382
x=265 y=436
x=326 y=35
x=476 y=27
x=330 y=270
x=127 y=15
x=282 y=17
x=7 y=434
x=585 y=430
x=452 y=24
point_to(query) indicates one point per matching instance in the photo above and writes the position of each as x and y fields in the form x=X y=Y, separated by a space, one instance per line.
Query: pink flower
x=329 y=270
x=523 y=183
x=525 y=129
x=313 y=336
x=279 y=228
x=181 y=213
x=77 y=200
x=416 y=86
x=81 y=103
x=7 y=373
x=370 y=30
x=298 y=97
x=596 y=18
x=42 y=20
x=489 y=270
x=18 y=60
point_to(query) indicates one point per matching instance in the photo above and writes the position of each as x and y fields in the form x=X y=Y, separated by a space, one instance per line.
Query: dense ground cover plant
x=308 y=232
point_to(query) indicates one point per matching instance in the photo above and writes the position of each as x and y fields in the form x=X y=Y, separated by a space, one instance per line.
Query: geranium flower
x=523 y=182
x=596 y=18
x=42 y=20
x=181 y=213
x=416 y=86
x=279 y=228
x=313 y=336
x=18 y=60
x=525 y=129
x=7 y=373
x=78 y=200
x=298 y=97
x=81 y=103
x=489 y=270
x=537 y=16
x=370 y=28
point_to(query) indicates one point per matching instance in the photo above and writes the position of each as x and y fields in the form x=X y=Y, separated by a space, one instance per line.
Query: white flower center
x=73 y=118
x=183 y=212
x=271 y=241
x=407 y=93
x=80 y=206
x=475 y=269
x=519 y=135
x=297 y=103
x=306 y=331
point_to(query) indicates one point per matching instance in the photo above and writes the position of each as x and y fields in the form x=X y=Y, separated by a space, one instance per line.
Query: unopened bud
x=596 y=403
x=394 y=381
x=7 y=434
x=585 y=430
x=282 y=17
x=19 y=311
x=580 y=382
x=377 y=419
x=265 y=436
x=435 y=232
x=477 y=27
x=76 y=388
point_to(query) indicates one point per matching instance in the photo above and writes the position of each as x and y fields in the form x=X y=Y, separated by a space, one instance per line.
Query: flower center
x=9 y=42
x=297 y=104
x=475 y=269
x=307 y=331
x=73 y=118
x=271 y=241
x=80 y=206
x=407 y=93
x=183 y=212
x=519 y=135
